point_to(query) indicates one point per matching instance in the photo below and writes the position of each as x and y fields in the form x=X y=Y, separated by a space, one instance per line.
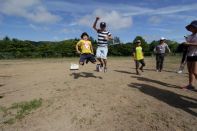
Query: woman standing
x=191 y=41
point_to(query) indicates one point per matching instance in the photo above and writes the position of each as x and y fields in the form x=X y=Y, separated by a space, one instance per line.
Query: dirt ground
x=86 y=100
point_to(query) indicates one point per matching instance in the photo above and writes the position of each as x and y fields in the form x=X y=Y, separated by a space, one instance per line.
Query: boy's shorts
x=89 y=57
x=101 y=52
x=137 y=63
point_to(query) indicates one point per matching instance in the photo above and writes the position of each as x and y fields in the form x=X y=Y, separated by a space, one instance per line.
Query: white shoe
x=180 y=71
x=74 y=67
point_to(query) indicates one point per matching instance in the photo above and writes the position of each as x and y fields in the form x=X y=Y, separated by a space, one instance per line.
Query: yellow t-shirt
x=85 y=46
x=139 y=53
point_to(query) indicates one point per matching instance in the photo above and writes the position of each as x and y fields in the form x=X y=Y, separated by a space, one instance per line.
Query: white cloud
x=70 y=31
x=175 y=9
x=113 y=19
x=30 y=9
x=155 y=19
x=38 y=28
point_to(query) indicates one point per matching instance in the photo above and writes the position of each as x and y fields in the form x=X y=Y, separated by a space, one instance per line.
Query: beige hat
x=162 y=38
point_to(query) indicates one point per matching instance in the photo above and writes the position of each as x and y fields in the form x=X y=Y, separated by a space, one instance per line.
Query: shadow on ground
x=126 y=72
x=175 y=100
x=156 y=82
x=85 y=75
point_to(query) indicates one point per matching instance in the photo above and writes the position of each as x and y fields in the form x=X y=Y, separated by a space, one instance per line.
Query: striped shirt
x=101 y=38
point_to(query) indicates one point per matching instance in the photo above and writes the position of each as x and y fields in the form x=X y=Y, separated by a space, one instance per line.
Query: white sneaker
x=180 y=71
x=74 y=67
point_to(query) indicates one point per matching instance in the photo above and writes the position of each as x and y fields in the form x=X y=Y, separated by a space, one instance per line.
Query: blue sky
x=55 y=20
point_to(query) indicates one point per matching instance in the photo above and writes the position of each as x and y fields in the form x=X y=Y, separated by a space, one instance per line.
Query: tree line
x=15 y=48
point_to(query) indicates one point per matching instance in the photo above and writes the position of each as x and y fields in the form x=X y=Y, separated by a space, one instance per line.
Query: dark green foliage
x=14 y=48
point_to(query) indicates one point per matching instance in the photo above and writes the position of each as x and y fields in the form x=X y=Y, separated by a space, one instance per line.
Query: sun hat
x=192 y=24
x=162 y=38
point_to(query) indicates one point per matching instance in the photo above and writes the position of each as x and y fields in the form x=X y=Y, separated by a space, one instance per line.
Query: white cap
x=162 y=38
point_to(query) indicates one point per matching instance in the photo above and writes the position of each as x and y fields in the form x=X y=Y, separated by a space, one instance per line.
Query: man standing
x=102 y=47
x=160 y=51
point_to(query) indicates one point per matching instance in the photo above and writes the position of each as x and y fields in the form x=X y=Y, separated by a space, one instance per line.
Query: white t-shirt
x=192 y=51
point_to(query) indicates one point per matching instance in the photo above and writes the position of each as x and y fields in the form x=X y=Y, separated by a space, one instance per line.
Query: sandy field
x=86 y=100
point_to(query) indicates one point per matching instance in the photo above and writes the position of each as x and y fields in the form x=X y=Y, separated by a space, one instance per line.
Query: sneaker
x=100 y=68
x=180 y=71
x=157 y=70
x=74 y=66
x=105 y=69
x=189 y=87
x=87 y=61
x=97 y=67
x=141 y=69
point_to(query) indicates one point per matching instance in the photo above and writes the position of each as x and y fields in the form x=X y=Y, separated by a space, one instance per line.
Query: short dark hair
x=84 y=34
x=103 y=25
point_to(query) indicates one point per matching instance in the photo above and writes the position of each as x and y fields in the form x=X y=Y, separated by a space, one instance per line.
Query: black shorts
x=191 y=58
x=89 y=57
x=137 y=63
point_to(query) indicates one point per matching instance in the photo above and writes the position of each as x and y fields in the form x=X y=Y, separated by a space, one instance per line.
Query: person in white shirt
x=191 y=41
x=160 y=51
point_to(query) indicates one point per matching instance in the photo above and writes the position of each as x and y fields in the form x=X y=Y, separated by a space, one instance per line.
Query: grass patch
x=18 y=110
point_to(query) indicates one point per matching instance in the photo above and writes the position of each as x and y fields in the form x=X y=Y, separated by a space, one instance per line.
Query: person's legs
x=137 y=64
x=189 y=67
x=104 y=57
x=183 y=62
x=142 y=65
x=92 y=59
x=195 y=70
x=99 y=56
x=157 y=62
x=82 y=59
x=161 y=62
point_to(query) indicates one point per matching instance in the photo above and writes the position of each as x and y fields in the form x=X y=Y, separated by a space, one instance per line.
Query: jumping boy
x=138 y=56
x=84 y=48
x=102 y=47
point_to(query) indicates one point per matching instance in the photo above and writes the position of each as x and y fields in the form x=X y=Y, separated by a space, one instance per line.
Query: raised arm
x=95 y=23
x=91 y=48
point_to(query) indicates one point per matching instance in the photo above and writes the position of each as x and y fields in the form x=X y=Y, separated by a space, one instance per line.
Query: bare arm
x=91 y=48
x=191 y=44
x=168 y=49
x=77 y=47
x=95 y=23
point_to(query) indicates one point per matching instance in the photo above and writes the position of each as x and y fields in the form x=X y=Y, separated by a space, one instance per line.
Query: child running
x=138 y=56
x=84 y=48
x=102 y=48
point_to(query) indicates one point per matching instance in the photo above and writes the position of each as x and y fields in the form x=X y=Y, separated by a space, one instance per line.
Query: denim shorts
x=89 y=57
x=101 y=52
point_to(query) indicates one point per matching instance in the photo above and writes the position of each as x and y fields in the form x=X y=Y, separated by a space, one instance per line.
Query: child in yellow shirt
x=84 y=48
x=138 y=56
